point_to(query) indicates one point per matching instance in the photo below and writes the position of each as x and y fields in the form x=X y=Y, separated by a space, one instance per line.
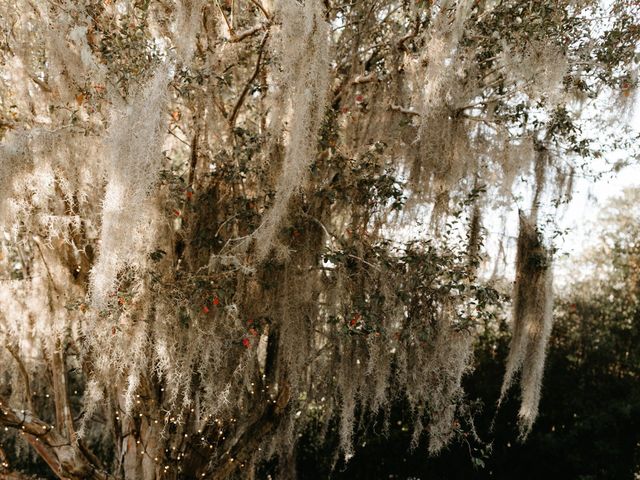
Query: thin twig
x=408 y=111
x=371 y=77
x=226 y=20
x=24 y=373
x=182 y=140
x=236 y=108
x=219 y=106
x=262 y=9
x=249 y=32
x=375 y=267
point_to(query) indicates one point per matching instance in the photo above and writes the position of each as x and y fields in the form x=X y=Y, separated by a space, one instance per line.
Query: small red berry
x=253 y=332
x=246 y=343
x=177 y=212
x=205 y=309
x=216 y=301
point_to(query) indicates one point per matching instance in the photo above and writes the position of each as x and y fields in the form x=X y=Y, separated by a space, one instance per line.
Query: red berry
x=216 y=301
x=205 y=309
x=246 y=343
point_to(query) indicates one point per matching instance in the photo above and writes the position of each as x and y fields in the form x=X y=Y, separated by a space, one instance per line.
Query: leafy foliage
x=222 y=215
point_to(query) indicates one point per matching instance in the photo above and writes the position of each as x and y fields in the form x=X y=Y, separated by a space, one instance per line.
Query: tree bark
x=66 y=459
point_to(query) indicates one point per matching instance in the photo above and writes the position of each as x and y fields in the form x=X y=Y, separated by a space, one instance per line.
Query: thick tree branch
x=64 y=418
x=66 y=460
x=14 y=476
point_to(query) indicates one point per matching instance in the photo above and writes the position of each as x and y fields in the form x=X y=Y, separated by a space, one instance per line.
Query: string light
x=161 y=462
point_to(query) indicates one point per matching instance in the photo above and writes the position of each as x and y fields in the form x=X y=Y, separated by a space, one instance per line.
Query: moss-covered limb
x=67 y=460
x=532 y=320
x=14 y=476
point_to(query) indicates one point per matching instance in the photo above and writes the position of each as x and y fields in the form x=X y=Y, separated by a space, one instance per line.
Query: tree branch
x=226 y=20
x=25 y=374
x=236 y=108
x=66 y=460
x=408 y=111
x=249 y=32
x=14 y=476
x=262 y=9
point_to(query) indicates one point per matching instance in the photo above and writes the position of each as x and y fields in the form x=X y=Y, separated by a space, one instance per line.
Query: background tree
x=205 y=206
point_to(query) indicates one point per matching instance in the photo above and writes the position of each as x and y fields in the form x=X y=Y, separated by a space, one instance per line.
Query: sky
x=580 y=219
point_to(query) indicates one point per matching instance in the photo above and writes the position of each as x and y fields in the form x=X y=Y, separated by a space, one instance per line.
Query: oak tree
x=225 y=218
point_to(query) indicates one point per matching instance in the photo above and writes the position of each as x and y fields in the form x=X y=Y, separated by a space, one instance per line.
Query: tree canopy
x=224 y=220
x=587 y=426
